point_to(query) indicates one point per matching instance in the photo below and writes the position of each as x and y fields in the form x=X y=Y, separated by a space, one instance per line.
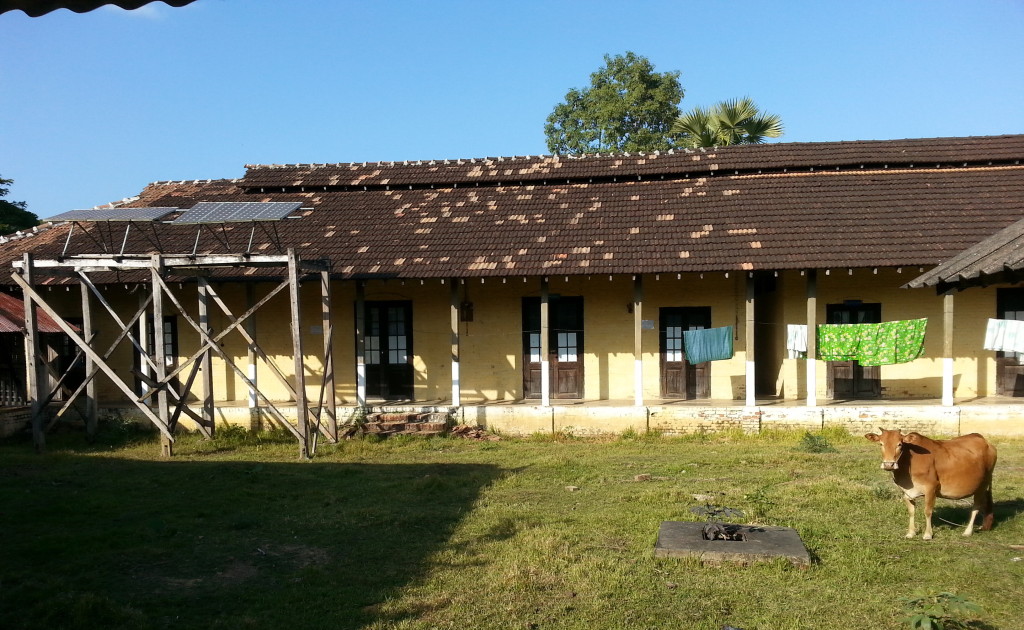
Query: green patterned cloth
x=872 y=344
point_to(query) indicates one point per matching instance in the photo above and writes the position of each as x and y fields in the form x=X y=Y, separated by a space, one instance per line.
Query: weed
x=815 y=443
x=942 y=611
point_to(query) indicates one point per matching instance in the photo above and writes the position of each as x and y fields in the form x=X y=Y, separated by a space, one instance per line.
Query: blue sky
x=95 y=106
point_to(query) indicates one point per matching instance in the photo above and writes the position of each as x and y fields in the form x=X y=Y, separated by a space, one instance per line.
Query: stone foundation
x=518 y=419
x=14 y=420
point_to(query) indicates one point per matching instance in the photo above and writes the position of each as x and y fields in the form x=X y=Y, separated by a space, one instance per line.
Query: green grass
x=538 y=533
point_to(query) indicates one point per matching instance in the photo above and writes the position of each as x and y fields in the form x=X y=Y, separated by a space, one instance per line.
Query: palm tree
x=736 y=121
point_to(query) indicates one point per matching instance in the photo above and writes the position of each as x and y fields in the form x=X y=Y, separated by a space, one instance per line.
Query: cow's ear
x=912 y=438
x=874 y=437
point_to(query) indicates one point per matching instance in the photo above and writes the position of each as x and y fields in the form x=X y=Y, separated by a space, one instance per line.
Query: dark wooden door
x=565 y=347
x=680 y=378
x=1010 y=365
x=388 y=350
x=850 y=379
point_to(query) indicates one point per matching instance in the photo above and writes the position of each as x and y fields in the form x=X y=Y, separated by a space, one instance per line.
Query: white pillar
x=360 y=343
x=545 y=365
x=947 y=350
x=456 y=350
x=638 y=364
x=751 y=368
x=812 y=337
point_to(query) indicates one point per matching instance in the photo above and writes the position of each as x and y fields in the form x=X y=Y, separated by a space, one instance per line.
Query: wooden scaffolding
x=167 y=395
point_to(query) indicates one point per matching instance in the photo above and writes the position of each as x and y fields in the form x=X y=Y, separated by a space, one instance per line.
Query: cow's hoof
x=926 y=537
x=909 y=535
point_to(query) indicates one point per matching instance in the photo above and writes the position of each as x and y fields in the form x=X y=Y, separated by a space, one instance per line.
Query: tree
x=13 y=214
x=736 y=121
x=628 y=107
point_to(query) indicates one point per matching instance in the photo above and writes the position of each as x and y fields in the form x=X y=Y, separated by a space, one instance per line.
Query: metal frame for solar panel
x=237 y=211
x=115 y=214
x=129 y=216
x=262 y=213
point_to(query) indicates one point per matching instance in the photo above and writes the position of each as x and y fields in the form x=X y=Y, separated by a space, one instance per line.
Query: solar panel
x=234 y=211
x=115 y=214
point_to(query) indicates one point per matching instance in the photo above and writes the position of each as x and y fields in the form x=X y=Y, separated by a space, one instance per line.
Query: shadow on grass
x=958 y=515
x=115 y=543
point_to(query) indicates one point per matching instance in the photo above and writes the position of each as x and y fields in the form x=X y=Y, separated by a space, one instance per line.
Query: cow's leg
x=987 y=506
x=911 y=530
x=989 y=509
x=929 y=505
x=978 y=498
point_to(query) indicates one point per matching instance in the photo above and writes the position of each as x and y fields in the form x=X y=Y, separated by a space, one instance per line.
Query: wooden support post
x=301 y=408
x=361 y=344
x=250 y=354
x=545 y=364
x=638 y=366
x=100 y=361
x=91 y=401
x=33 y=375
x=947 y=350
x=812 y=337
x=330 y=405
x=453 y=318
x=143 y=342
x=751 y=366
x=206 y=362
x=160 y=354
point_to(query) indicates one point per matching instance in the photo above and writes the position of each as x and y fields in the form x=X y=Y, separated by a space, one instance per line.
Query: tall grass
x=545 y=532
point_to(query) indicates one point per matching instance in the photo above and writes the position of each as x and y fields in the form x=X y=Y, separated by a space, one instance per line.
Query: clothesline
x=884 y=343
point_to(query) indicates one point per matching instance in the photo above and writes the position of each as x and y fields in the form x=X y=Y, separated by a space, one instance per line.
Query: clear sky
x=95 y=106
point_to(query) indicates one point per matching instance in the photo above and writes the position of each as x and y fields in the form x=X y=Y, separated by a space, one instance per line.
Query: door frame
x=387 y=379
x=565 y=334
x=695 y=378
x=865 y=380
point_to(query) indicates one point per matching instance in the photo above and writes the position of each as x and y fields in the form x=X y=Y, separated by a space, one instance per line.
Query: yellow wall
x=491 y=368
x=974 y=368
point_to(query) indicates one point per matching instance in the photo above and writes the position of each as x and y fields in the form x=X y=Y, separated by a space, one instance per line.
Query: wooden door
x=1010 y=365
x=388 y=350
x=850 y=379
x=565 y=347
x=680 y=378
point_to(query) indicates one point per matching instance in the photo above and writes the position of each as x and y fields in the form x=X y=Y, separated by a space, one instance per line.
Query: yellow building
x=547 y=293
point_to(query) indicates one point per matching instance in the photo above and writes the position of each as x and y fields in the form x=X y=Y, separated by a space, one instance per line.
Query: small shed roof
x=997 y=259
x=12 y=317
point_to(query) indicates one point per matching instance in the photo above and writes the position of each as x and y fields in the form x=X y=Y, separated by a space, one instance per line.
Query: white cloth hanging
x=1004 y=335
x=796 y=341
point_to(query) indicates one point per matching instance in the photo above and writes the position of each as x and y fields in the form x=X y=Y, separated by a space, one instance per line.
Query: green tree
x=736 y=121
x=628 y=107
x=13 y=214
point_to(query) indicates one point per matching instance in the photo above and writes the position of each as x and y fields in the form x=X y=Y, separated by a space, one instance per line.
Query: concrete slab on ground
x=680 y=539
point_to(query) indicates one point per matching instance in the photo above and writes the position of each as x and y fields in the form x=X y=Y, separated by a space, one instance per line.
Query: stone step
x=390 y=423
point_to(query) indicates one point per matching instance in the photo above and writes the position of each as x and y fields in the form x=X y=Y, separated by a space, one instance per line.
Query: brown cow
x=951 y=469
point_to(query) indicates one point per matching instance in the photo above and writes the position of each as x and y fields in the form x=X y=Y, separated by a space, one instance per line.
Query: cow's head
x=892 y=447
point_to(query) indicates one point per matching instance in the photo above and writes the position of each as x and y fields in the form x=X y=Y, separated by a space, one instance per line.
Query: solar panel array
x=115 y=214
x=236 y=211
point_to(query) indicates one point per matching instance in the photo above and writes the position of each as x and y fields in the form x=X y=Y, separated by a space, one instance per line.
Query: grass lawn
x=525 y=534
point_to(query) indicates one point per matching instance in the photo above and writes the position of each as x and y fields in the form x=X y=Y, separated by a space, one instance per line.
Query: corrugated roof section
x=12 y=317
x=999 y=258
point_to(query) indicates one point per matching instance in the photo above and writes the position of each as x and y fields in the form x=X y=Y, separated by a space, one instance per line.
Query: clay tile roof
x=763 y=207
